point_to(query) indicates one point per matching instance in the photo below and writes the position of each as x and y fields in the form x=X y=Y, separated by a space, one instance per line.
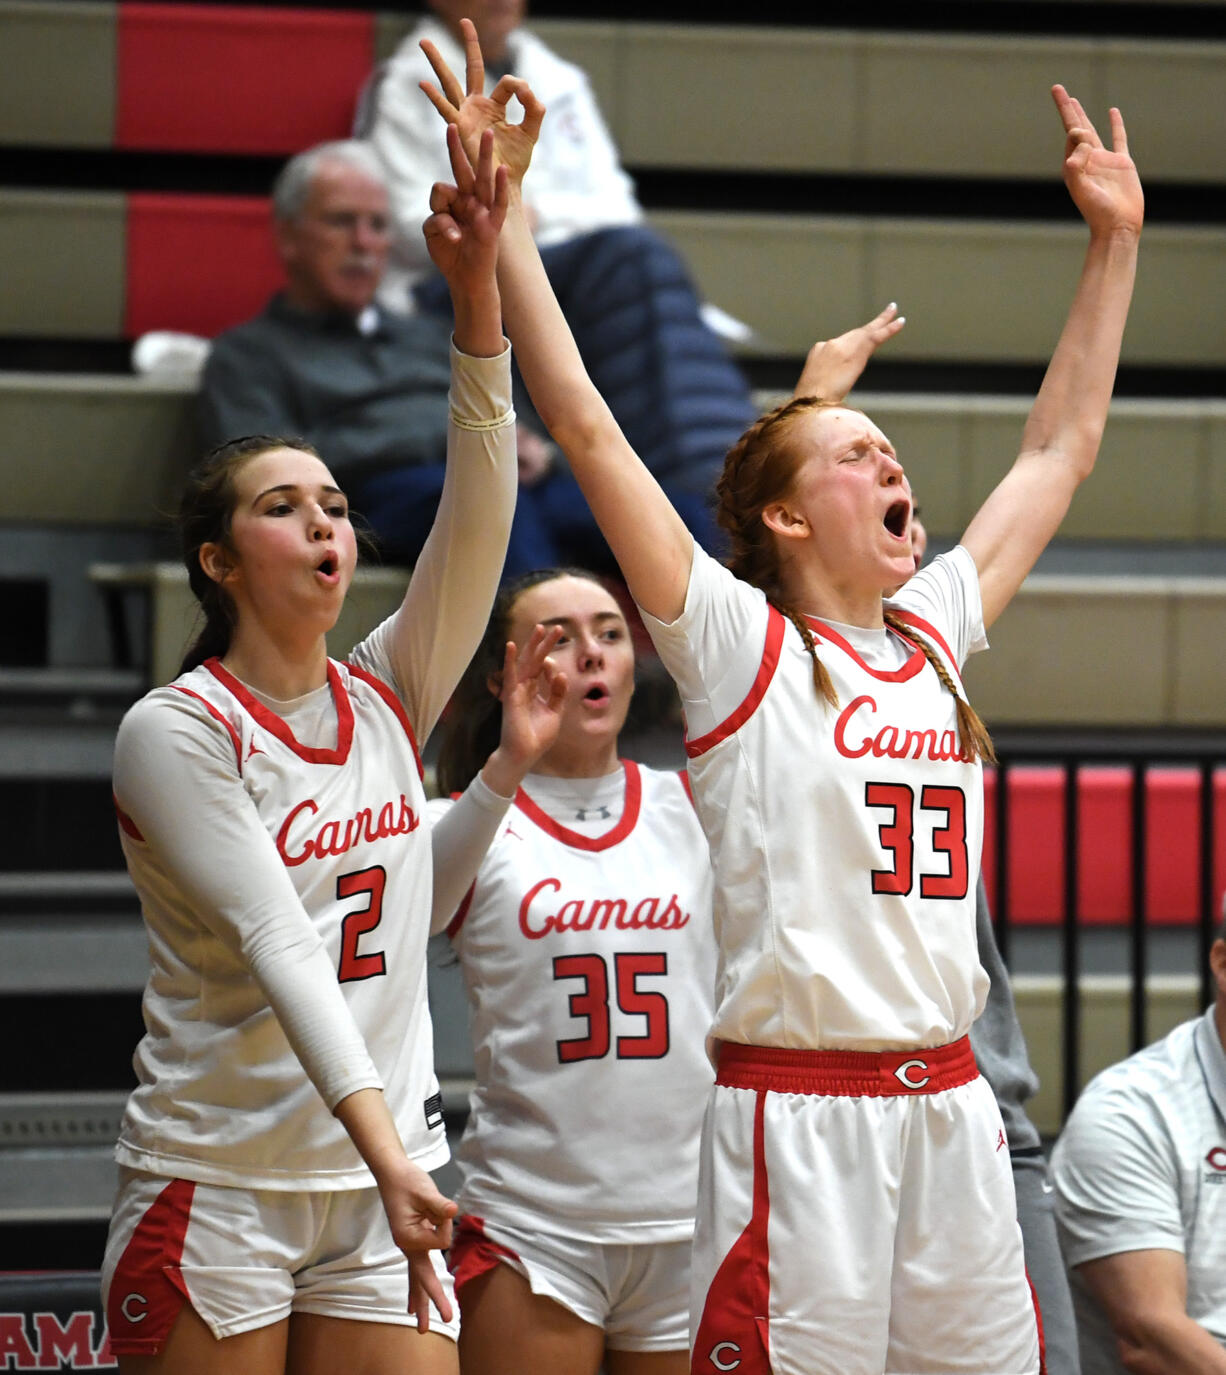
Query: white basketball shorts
x=245 y=1258
x=638 y=1294
x=856 y=1216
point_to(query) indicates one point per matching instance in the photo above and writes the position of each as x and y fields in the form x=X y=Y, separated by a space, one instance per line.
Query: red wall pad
x=197 y=263
x=227 y=79
x=1105 y=844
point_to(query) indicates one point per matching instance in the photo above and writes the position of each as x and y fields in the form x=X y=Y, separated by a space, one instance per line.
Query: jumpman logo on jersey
x=253 y=748
x=601 y=813
x=1000 y=1139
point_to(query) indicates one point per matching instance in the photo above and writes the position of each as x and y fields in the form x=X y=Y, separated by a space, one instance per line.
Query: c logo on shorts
x=718 y=1349
x=1216 y=1159
x=128 y=1305
x=902 y=1074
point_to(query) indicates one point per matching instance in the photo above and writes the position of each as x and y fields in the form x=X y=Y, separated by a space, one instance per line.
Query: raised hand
x=1102 y=181
x=834 y=366
x=532 y=691
x=473 y=112
x=462 y=231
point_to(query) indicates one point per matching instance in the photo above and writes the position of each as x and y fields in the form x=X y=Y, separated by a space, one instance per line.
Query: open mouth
x=597 y=693
x=896 y=518
x=327 y=566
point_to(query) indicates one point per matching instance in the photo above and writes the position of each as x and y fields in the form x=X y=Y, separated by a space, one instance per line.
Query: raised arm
x=1062 y=435
x=833 y=366
x=648 y=538
x=438 y=626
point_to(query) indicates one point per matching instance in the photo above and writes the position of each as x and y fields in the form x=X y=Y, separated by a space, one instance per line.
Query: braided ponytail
x=759 y=469
x=972 y=733
x=821 y=678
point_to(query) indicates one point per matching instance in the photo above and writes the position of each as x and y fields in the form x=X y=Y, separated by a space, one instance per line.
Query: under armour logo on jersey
x=593 y=814
x=907 y=1079
x=253 y=748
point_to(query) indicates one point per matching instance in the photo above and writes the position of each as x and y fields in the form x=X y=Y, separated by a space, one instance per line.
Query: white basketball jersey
x=590 y=968
x=846 y=844
x=223 y=1097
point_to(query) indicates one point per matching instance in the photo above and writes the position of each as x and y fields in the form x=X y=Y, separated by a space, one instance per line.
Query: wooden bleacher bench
x=113 y=451
x=217 y=78
x=1065 y=655
x=105 y=265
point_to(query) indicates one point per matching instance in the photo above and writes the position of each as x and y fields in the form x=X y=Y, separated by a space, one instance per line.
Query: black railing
x=1139 y=753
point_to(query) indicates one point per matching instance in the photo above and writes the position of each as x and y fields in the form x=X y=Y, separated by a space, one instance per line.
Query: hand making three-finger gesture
x=1102 y=181
x=472 y=112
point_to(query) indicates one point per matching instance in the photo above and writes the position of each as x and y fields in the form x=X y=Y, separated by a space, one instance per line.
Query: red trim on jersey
x=462 y=910
x=212 y=710
x=397 y=707
x=594 y=844
x=1038 y=1317
x=930 y=632
x=684 y=776
x=126 y=823
x=734 y=1331
x=847 y=1073
x=895 y=675
x=775 y=627
x=472 y=1253
x=275 y=726
x=147 y=1290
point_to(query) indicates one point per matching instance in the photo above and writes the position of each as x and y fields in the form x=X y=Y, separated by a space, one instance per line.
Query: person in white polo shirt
x=1140 y=1174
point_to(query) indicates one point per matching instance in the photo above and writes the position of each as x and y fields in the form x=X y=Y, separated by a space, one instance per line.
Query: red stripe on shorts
x=1038 y=1317
x=147 y=1290
x=472 y=1253
x=847 y=1073
x=734 y=1333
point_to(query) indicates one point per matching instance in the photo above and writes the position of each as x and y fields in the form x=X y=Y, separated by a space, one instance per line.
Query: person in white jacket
x=578 y=184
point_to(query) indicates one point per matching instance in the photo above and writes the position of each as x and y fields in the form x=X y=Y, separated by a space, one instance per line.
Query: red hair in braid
x=760 y=469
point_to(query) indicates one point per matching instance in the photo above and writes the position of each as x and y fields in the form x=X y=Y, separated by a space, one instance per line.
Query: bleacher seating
x=91 y=462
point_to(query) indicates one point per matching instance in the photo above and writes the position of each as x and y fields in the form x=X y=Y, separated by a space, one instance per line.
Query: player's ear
x=785 y=520
x=215 y=560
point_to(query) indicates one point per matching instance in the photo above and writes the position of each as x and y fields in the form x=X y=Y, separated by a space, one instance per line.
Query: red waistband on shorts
x=847 y=1073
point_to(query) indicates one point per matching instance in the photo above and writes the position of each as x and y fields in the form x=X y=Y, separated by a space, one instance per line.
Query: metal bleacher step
x=64 y=932
x=56 y=1151
x=80 y=695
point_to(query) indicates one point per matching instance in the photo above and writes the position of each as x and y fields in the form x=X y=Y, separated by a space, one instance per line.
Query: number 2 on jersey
x=355 y=925
x=898 y=838
x=592 y=1003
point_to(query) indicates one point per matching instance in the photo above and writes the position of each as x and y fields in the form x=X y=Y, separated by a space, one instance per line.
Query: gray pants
x=1037 y=1218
